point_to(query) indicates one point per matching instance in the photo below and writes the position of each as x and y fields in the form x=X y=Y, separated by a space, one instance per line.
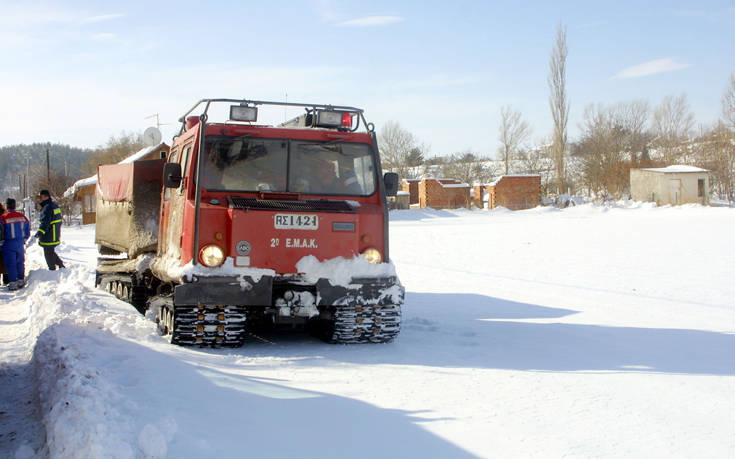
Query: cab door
x=172 y=206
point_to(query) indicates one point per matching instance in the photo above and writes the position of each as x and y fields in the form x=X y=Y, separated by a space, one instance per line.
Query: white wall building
x=670 y=185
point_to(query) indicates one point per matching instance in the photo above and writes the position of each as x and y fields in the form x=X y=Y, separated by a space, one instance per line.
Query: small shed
x=670 y=185
x=412 y=187
x=83 y=191
x=443 y=193
x=514 y=192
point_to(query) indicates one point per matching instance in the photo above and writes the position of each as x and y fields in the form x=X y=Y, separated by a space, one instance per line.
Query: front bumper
x=245 y=291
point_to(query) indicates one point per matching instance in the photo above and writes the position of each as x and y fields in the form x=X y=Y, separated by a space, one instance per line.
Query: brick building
x=443 y=193
x=412 y=187
x=514 y=192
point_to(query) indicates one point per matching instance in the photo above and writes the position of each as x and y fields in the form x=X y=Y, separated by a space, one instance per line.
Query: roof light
x=326 y=118
x=243 y=113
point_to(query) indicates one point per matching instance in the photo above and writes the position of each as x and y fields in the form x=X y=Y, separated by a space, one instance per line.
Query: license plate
x=296 y=221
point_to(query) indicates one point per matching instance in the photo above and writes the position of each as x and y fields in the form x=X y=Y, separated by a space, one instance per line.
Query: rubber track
x=360 y=323
x=198 y=326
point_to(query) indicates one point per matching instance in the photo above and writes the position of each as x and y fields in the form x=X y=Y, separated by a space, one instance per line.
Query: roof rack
x=370 y=127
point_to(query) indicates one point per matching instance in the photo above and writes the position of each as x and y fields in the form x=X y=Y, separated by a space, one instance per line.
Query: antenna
x=158 y=122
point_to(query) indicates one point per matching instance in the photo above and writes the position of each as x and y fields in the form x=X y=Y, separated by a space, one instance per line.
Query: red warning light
x=347 y=120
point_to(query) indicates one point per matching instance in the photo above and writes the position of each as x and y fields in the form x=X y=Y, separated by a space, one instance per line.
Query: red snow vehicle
x=249 y=225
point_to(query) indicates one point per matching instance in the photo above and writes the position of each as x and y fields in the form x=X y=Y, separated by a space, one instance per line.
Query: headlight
x=211 y=256
x=372 y=256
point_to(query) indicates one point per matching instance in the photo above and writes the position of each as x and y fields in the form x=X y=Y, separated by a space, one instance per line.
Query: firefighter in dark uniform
x=49 y=229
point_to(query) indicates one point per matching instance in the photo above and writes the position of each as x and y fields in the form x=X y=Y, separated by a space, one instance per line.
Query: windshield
x=243 y=164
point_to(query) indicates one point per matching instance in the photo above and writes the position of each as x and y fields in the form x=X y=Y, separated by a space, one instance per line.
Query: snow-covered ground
x=585 y=332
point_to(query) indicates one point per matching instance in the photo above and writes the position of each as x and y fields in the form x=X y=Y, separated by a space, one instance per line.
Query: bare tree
x=513 y=132
x=714 y=151
x=115 y=150
x=672 y=125
x=728 y=102
x=558 y=102
x=399 y=150
x=613 y=140
x=57 y=183
x=632 y=117
x=537 y=160
x=467 y=168
x=602 y=151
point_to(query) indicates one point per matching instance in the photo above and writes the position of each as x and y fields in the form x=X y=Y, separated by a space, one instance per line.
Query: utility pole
x=48 y=169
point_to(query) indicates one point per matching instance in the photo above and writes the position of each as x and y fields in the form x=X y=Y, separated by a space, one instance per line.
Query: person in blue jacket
x=49 y=229
x=3 y=274
x=15 y=231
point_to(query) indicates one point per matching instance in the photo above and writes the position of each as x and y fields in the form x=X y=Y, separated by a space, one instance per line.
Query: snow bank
x=78 y=332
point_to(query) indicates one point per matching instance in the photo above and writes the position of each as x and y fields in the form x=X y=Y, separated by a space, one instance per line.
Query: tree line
x=25 y=171
x=614 y=138
x=24 y=168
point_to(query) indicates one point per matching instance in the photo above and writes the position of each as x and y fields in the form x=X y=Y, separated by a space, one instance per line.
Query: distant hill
x=17 y=160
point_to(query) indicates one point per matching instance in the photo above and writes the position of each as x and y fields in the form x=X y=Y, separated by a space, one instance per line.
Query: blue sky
x=79 y=71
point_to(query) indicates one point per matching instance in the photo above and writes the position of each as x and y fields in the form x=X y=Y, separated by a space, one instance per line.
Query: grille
x=316 y=205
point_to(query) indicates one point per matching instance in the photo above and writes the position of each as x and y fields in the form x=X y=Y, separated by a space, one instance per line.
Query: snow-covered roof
x=80 y=183
x=448 y=182
x=140 y=154
x=71 y=191
x=676 y=169
x=512 y=175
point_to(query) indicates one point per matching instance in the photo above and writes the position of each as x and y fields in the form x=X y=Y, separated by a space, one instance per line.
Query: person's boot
x=13 y=286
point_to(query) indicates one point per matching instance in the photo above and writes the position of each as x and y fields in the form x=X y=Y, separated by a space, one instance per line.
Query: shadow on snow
x=208 y=412
x=476 y=331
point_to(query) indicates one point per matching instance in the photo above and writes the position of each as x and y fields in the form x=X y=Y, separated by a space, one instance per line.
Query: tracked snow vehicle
x=248 y=225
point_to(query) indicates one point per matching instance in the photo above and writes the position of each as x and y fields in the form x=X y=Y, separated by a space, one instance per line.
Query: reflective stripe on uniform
x=57 y=211
x=49 y=243
x=41 y=231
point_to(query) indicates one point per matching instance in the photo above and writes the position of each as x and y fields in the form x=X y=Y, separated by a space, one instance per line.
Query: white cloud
x=371 y=21
x=651 y=68
x=101 y=18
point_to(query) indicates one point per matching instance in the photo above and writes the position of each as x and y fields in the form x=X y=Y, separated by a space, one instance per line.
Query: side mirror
x=390 y=181
x=172 y=175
